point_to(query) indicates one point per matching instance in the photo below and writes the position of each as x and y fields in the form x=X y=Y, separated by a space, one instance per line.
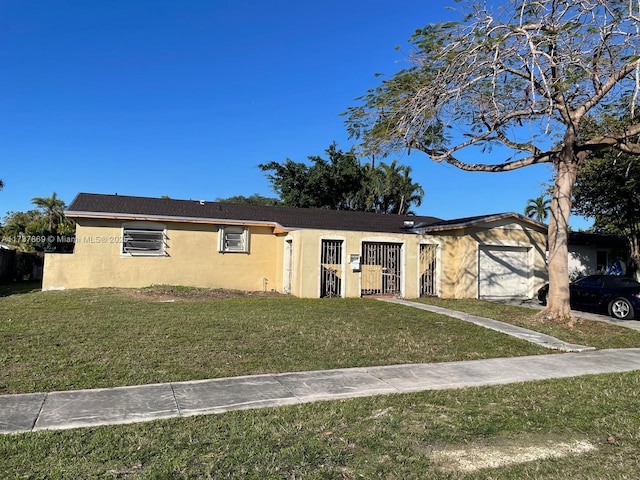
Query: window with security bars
x=143 y=242
x=234 y=239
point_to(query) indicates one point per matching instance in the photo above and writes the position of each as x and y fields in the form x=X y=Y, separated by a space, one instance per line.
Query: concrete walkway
x=85 y=408
x=540 y=339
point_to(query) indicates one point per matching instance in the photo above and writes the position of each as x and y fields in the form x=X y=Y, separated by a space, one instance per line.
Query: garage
x=503 y=272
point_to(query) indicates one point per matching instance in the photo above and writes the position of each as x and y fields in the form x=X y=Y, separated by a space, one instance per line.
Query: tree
x=334 y=183
x=608 y=190
x=255 y=199
x=538 y=208
x=342 y=183
x=52 y=208
x=20 y=224
x=44 y=228
x=522 y=77
x=390 y=189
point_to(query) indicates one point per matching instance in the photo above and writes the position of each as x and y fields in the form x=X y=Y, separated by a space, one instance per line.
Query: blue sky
x=185 y=98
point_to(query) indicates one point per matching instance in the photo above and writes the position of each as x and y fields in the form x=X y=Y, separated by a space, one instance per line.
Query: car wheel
x=621 y=309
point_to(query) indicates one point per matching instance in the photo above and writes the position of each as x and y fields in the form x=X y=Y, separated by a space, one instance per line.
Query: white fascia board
x=169 y=218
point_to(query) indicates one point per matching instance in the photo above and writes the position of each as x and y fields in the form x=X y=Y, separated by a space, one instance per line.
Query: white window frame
x=153 y=236
x=233 y=239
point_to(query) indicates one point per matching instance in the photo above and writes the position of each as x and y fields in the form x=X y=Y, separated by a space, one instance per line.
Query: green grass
x=108 y=337
x=586 y=332
x=389 y=437
x=98 y=338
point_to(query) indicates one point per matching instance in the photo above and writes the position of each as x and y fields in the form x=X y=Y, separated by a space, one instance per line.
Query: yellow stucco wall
x=193 y=259
x=460 y=253
x=307 y=246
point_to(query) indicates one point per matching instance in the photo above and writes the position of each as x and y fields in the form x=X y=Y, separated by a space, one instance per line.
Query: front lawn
x=109 y=337
x=585 y=427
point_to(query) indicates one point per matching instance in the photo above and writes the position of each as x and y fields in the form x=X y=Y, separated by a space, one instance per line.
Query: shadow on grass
x=17 y=288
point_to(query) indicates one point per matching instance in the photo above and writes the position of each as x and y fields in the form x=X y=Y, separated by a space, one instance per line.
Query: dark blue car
x=616 y=295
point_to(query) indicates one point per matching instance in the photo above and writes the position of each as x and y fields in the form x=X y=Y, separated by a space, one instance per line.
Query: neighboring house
x=593 y=252
x=124 y=241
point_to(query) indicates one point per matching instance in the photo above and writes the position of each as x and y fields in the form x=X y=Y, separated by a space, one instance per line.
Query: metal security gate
x=428 y=258
x=380 y=268
x=331 y=268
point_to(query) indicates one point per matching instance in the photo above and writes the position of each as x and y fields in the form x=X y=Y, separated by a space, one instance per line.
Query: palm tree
x=538 y=208
x=53 y=209
x=391 y=189
x=409 y=193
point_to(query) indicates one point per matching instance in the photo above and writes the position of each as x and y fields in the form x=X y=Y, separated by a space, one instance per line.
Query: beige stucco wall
x=457 y=265
x=306 y=269
x=192 y=259
x=460 y=254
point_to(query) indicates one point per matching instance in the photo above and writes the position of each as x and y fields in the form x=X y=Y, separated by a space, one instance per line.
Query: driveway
x=533 y=303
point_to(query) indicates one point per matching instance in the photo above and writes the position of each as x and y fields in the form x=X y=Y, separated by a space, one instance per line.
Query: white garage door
x=503 y=272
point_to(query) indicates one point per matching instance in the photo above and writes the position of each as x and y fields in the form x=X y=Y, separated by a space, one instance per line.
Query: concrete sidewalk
x=87 y=408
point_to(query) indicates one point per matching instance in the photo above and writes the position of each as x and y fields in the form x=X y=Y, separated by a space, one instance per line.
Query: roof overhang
x=453 y=226
x=136 y=217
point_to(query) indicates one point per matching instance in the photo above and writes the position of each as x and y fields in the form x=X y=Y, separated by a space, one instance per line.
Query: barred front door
x=331 y=268
x=381 y=268
x=428 y=270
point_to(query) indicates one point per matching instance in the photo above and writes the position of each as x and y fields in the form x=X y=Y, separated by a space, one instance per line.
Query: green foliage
x=390 y=189
x=44 y=228
x=333 y=183
x=608 y=190
x=538 y=208
x=52 y=208
x=255 y=199
x=342 y=183
x=608 y=183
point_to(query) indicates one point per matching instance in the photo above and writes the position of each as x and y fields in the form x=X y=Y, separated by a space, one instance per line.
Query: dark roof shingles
x=287 y=217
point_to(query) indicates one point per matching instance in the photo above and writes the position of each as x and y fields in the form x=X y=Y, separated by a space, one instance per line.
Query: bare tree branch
x=524 y=77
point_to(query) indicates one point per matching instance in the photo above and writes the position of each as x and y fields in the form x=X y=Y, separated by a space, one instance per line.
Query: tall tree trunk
x=558 y=300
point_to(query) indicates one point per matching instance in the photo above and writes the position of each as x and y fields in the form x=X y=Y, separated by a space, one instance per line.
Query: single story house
x=126 y=241
x=591 y=253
